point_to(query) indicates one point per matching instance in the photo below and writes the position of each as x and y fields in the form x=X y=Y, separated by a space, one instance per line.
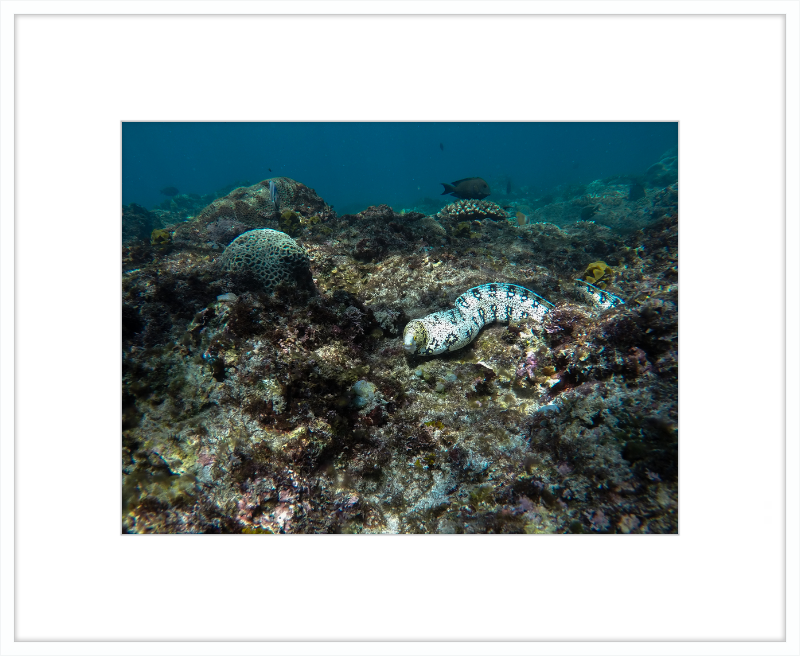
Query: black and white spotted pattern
x=451 y=330
x=596 y=296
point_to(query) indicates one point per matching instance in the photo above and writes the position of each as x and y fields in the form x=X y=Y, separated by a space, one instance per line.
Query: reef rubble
x=295 y=408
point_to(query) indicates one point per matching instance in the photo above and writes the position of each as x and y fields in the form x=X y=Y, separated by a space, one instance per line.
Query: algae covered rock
x=138 y=223
x=665 y=171
x=253 y=205
x=294 y=209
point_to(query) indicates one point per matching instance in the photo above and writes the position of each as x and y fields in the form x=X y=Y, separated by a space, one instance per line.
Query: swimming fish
x=522 y=219
x=441 y=147
x=273 y=195
x=636 y=191
x=169 y=191
x=589 y=211
x=475 y=188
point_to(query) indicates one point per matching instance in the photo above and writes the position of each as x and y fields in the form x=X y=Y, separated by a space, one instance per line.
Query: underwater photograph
x=400 y=328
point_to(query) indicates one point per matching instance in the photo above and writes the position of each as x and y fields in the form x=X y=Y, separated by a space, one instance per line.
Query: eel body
x=596 y=296
x=451 y=330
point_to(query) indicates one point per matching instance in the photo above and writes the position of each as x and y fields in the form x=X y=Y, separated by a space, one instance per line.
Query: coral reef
x=181 y=207
x=468 y=210
x=246 y=208
x=269 y=256
x=622 y=203
x=297 y=410
x=665 y=171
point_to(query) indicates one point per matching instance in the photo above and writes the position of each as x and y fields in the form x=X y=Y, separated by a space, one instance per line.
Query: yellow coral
x=160 y=238
x=598 y=274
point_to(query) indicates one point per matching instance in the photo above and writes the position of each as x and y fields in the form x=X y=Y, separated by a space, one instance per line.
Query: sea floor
x=297 y=410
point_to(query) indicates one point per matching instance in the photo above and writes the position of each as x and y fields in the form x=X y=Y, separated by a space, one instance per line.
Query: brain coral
x=468 y=210
x=268 y=255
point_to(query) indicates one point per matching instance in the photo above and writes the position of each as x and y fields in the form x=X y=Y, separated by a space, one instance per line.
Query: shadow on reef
x=295 y=409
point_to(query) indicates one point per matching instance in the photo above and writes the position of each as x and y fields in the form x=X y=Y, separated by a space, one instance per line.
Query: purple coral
x=527 y=367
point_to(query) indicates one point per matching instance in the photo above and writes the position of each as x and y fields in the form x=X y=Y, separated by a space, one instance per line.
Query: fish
x=475 y=188
x=508 y=187
x=169 y=191
x=588 y=212
x=273 y=195
x=636 y=191
x=522 y=219
x=270 y=170
x=441 y=147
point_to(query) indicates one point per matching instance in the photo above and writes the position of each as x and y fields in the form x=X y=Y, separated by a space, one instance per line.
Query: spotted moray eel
x=451 y=330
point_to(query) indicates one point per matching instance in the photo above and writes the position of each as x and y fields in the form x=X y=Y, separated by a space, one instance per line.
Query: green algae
x=289 y=223
x=598 y=273
x=463 y=230
x=481 y=496
x=161 y=239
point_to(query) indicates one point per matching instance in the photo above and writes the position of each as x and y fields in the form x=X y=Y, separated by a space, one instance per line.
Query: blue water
x=354 y=165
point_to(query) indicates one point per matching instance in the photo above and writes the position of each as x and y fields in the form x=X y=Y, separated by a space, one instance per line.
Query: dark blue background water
x=354 y=165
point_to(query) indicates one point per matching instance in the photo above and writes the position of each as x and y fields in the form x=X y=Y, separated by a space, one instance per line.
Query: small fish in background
x=273 y=195
x=169 y=191
x=270 y=170
x=441 y=147
x=522 y=219
x=508 y=187
x=467 y=188
x=588 y=212
x=636 y=191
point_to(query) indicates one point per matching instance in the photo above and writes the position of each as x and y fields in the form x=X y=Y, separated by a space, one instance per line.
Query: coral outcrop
x=138 y=223
x=665 y=171
x=246 y=208
x=469 y=210
x=269 y=256
x=622 y=203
